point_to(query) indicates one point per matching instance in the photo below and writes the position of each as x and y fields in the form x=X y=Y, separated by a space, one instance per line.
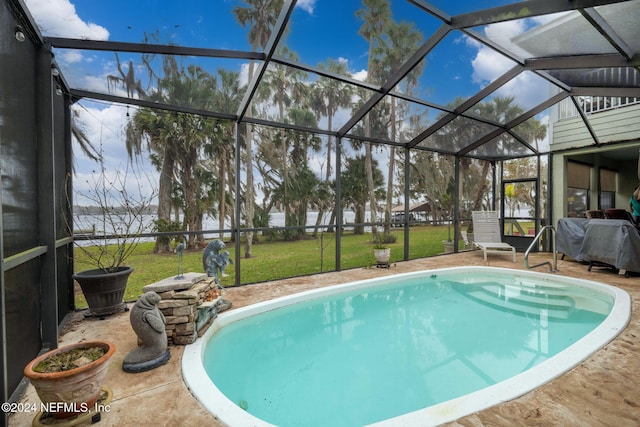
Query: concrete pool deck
x=604 y=390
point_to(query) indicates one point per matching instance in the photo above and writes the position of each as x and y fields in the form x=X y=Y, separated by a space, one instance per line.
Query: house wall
x=627 y=171
x=616 y=129
x=620 y=124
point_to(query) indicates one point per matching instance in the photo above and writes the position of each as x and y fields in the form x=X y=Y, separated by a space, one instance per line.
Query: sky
x=319 y=29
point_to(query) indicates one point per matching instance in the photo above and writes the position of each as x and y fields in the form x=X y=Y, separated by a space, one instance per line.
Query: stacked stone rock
x=181 y=298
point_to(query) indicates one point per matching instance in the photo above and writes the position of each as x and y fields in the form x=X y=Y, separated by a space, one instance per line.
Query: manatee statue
x=148 y=323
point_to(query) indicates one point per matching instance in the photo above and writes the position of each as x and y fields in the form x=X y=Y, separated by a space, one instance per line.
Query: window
x=578 y=185
x=607 y=197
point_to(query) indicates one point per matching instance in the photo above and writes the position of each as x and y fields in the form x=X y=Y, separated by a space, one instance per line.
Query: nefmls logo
x=71 y=407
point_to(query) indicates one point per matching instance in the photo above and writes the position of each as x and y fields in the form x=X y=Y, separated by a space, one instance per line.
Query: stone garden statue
x=149 y=324
x=180 y=250
x=214 y=262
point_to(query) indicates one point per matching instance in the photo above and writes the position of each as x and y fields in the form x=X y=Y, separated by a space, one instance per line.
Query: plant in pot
x=382 y=253
x=110 y=223
x=381 y=249
x=69 y=380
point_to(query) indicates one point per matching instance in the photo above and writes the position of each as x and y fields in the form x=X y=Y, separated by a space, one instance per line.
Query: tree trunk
x=373 y=202
x=164 y=199
x=359 y=218
x=392 y=157
x=249 y=195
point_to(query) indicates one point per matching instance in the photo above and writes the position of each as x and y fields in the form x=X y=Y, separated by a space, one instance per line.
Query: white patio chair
x=486 y=233
x=465 y=239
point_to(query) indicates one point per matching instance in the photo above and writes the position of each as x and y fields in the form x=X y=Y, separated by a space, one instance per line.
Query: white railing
x=552 y=267
x=593 y=104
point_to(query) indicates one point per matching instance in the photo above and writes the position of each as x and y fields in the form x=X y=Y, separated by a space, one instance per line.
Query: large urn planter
x=73 y=391
x=104 y=291
x=382 y=255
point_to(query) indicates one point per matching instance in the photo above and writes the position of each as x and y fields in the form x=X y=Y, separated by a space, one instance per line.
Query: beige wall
x=627 y=176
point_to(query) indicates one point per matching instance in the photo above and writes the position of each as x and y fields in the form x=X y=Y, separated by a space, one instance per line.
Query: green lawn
x=275 y=259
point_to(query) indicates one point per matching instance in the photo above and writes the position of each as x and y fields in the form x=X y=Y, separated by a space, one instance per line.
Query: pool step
x=519 y=299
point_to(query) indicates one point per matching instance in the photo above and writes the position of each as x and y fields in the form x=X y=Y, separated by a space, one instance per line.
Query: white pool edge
x=226 y=411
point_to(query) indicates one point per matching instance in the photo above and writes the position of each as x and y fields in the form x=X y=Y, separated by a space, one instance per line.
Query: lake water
x=84 y=223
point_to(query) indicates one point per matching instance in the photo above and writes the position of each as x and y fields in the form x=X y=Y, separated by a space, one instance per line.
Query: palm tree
x=175 y=139
x=260 y=16
x=222 y=142
x=355 y=191
x=395 y=49
x=327 y=97
x=375 y=15
x=78 y=134
x=285 y=88
x=152 y=127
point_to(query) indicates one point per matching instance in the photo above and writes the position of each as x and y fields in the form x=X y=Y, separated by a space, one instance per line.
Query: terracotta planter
x=74 y=391
x=104 y=292
x=382 y=255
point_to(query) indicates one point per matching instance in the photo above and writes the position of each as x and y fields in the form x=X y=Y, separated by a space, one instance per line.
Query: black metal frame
x=54 y=273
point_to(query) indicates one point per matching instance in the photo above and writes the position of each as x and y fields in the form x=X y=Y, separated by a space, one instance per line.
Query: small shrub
x=69 y=360
x=384 y=240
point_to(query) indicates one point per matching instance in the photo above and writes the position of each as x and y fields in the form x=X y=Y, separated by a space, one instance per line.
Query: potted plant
x=69 y=379
x=381 y=249
x=382 y=253
x=117 y=218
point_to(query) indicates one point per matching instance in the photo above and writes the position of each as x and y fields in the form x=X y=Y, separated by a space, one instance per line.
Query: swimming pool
x=391 y=351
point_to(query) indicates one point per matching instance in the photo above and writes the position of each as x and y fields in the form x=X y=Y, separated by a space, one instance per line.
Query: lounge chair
x=465 y=239
x=486 y=234
x=595 y=214
x=618 y=214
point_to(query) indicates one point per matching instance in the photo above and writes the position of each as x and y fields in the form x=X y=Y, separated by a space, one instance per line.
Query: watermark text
x=53 y=407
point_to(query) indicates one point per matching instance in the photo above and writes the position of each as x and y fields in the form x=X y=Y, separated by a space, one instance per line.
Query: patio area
x=604 y=390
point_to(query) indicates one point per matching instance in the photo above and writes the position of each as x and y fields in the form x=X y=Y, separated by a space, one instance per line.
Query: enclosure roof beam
x=521 y=10
x=631 y=92
x=488 y=89
x=325 y=73
x=603 y=27
x=405 y=69
x=76 y=93
x=431 y=9
x=513 y=123
x=271 y=46
x=160 y=49
x=609 y=60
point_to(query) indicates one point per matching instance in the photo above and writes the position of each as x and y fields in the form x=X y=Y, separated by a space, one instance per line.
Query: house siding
x=620 y=124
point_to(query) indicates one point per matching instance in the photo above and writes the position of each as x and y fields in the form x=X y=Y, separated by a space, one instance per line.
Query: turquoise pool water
x=409 y=342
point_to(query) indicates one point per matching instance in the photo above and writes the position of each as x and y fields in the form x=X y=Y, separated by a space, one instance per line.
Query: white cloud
x=503 y=32
x=244 y=74
x=59 y=18
x=527 y=88
x=360 y=75
x=104 y=127
x=306 y=5
x=488 y=64
x=71 y=56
